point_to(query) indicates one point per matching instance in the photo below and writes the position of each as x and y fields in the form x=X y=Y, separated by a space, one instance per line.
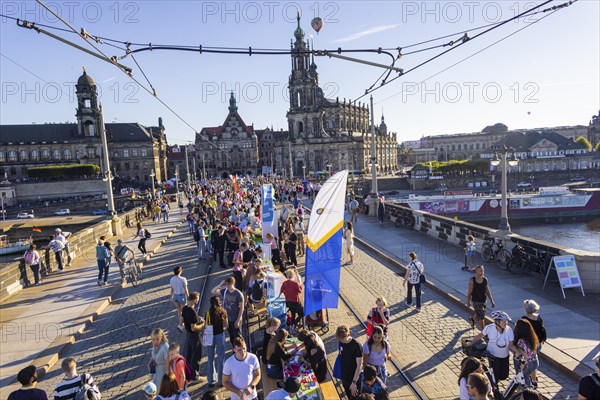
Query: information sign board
x=568 y=274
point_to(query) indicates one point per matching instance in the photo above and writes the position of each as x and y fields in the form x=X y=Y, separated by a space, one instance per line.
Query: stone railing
x=455 y=232
x=81 y=243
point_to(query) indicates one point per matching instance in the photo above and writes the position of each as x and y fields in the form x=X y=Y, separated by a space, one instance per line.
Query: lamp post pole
x=152 y=175
x=187 y=167
x=3 y=212
x=177 y=182
x=502 y=156
x=328 y=170
x=115 y=222
x=304 y=172
x=374 y=189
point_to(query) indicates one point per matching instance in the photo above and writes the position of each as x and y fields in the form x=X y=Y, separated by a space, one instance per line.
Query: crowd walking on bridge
x=224 y=222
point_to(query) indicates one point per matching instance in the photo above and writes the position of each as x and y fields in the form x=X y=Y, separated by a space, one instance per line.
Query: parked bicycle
x=515 y=386
x=523 y=261
x=133 y=272
x=493 y=250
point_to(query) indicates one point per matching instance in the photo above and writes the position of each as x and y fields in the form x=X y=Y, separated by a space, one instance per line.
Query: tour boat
x=559 y=204
x=8 y=247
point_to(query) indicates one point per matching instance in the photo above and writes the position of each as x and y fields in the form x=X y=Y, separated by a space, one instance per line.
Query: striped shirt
x=68 y=388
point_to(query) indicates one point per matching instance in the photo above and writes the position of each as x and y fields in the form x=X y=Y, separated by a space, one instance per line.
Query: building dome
x=85 y=79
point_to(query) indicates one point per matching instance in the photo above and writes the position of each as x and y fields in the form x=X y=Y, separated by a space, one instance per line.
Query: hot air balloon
x=317 y=24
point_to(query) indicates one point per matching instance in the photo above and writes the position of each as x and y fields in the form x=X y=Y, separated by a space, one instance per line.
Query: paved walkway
x=38 y=322
x=573 y=324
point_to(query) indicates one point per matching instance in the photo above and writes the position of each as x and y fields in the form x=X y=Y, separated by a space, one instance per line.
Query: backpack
x=87 y=391
x=258 y=291
x=189 y=372
x=29 y=257
x=147 y=234
x=196 y=235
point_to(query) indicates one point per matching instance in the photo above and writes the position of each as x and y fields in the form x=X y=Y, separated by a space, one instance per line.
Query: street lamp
x=329 y=169
x=152 y=175
x=177 y=183
x=505 y=155
x=304 y=171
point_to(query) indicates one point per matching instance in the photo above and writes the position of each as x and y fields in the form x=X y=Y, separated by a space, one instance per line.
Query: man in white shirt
x=63 y=237
x=241 y=372
x=179 y=293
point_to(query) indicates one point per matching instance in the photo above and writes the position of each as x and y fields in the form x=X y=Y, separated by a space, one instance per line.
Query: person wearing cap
x=28 y=378
x=121 y=251
x=589 y=385
x=290 y=388
x=63 y=237
x=499 y=335
x=149 y=390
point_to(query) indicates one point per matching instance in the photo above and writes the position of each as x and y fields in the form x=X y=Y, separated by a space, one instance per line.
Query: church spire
x=299 y=33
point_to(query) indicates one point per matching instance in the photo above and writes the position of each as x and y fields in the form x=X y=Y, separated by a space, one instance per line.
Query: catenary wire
x=465 y=40
x=473 y=55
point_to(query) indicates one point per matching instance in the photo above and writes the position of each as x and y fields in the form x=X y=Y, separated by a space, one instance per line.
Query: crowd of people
x=224 y=223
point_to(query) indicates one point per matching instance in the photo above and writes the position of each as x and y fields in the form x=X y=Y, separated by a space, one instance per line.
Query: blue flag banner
x=324 y=246
x=269 y=219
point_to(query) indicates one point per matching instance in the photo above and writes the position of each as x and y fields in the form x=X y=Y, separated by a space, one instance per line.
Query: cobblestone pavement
x=426 y=344
x=116 y=348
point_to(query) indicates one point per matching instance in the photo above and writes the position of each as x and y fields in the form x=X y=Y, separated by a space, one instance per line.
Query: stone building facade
x=134 y=149
x=327 y=134
x=228 y=149
x=461 y=146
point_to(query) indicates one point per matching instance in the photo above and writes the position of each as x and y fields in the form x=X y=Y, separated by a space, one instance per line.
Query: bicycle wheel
x=138 y=270
x=132 y=277
x=486 y=252
x=511 y=391
x=503 y=258
x=517 y=265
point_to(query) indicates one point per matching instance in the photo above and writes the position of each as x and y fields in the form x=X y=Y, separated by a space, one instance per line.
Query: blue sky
x=545 y=75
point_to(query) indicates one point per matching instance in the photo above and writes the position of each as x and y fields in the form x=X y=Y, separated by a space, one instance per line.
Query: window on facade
x=87 y=103
x=125 y=153
x=136 y=166
x=2 y=157
x=67 y=154
x=134 y=152
x=459 y=147
x=145 y=164
x=127 y=166
x=224 y=164
x=12 y=156
x=56 y=154
x=91 y=153
x=45 y=154
x=23 y=156
x=144 y=153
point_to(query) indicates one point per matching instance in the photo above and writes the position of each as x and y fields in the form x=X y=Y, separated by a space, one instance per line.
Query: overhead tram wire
x=130 y=75
x=474 y=54
x=465 y=40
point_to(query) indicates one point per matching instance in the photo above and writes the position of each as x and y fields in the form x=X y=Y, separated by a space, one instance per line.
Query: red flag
x=36 y=229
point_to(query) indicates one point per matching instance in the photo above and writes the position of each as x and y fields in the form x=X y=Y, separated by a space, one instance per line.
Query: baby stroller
x=318 y=319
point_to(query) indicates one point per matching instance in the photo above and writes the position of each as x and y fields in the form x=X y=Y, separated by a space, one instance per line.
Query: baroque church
x=134 y=149
x=323 y=134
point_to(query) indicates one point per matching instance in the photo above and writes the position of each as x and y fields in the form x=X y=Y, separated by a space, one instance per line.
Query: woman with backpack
x=414 y=271
x=32 y=258
x=525 y=345
x=141 y=233
x=532 y=308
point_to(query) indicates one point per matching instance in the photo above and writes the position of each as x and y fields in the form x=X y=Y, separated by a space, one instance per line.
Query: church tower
x=87 y=112
x=304 y=116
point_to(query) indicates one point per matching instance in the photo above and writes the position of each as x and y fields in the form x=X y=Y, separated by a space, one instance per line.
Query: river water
x=581 y=236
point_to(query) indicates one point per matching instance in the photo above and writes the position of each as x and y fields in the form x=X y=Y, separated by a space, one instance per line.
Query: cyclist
x=499 y=336
x=121 y=251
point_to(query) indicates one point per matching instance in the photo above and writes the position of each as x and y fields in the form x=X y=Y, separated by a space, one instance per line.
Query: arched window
x=91 y=152
x=453 y=147
x=23 y=155
x=45 y=154
x=67 y=154
x=2 y=157
x=35 y=155
x=477 y=146
x=298 y=97
x=459 y=147
x=12 y=156
x=89 y=129
x=56 y=154
x=300 y=127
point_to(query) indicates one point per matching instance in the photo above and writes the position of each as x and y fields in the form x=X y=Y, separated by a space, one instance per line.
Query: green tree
x=584 y=141
x=598 y=146
x=64 y=171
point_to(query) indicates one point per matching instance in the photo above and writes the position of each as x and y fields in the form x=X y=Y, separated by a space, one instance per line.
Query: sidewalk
x=573 y=324
x=40 y=321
